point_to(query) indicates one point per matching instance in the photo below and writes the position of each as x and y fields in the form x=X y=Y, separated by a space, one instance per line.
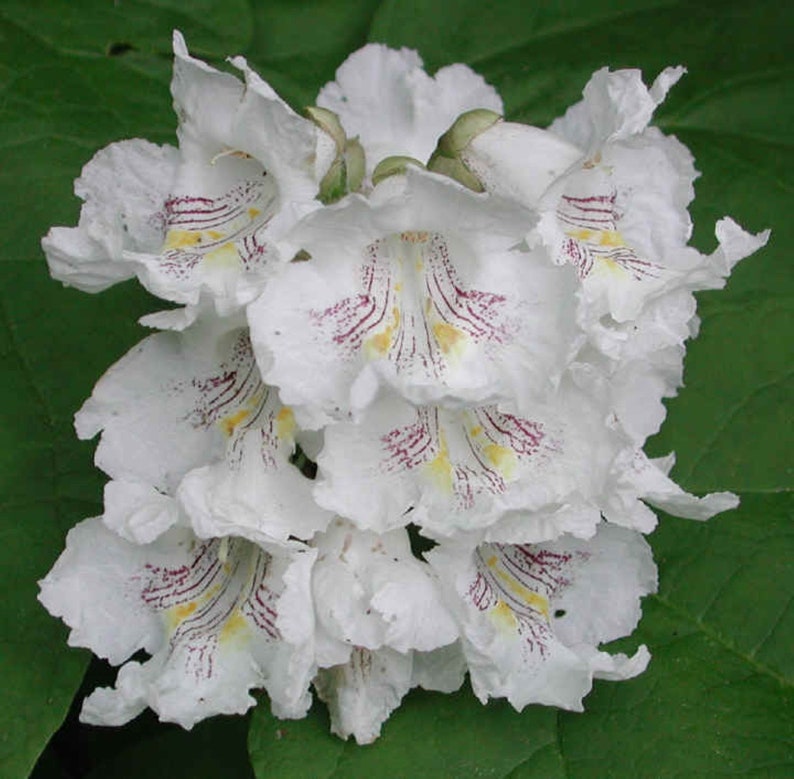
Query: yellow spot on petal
x=448 y=337
x=440 y=468
x=475 y=431
x=224 y=256
x=253 y=213
x=583 y=234
x=229 y=423
x=180 y=613
x=379 y=344
x=503 y=615
x=415 y=236
x=235 y=625
x=285 y=423
x=215 y=235
x=610 y=238
x=182 y=239
x=502 y=458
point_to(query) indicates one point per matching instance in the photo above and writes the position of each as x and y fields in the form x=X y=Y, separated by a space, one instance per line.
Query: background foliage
x=717 y=698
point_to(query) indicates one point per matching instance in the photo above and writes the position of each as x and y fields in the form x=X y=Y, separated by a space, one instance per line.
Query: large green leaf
x=75 y=76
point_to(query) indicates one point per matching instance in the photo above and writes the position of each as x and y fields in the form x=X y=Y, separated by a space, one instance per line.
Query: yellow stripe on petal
x=533 y=599
x=502 y=458
x=449 y=338
x=503 y=616
x=440 y=468
x=229 y=423
x=234 y=626
x=180 y=613
x=285 y=423
x=182 y=239
x=379 y=344
x=224 y=256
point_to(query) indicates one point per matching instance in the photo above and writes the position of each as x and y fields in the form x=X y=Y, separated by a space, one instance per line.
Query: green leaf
x=717 y=697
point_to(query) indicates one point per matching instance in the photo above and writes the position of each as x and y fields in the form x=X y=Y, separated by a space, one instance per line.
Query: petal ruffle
x=512 y=598
x=216 y=616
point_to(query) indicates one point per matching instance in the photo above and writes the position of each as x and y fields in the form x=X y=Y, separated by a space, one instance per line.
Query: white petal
x=637 y=477
x=173 y=403
x=123 y=188
x=138 y=512
x=259 y=495
x=87 y=589
x=363 y=693
x=210 y=614
x=384 y=96
x=370 y=592
x=518 y=161
x=453 y=469
x=615 y=105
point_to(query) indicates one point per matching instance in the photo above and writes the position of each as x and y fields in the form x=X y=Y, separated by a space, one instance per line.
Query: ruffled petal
x=615 y=105
x=445 y=312
x=364 y=691
x=211 y=614
x=458 y=470
x=173 y=403
x=638 y=477
x=123 y=187
x=371 y=592
x=384 y=97
x=532 y=615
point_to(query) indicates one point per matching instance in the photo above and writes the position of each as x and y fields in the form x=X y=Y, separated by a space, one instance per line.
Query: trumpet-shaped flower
x=532 y=616
x=189 y=411
x=382 y=628
x=197 y=225
x=419 y=288
x=218 y=617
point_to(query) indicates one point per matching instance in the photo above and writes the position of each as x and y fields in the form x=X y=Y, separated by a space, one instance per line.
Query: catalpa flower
x=612 y=193
x=418 y=287
x=409 y=325
x=382 y=628
x=532 y=616
x=197 y=225
x=188 y=414
x=384 y=97
x=218 y=617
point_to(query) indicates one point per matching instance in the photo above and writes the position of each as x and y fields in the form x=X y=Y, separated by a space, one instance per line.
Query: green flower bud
x=392 y=166
x=446 y=158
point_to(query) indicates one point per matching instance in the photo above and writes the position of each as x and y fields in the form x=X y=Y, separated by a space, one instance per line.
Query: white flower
x=417 y=287
x=457 y=470
x=219 y=617
x=533 y=616
x=380 y=616
x=197 y=226
x=189 y=412
x=613 y=194
x=384 y=97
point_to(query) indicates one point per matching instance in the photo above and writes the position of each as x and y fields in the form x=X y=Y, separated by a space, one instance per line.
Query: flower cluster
x=392 y=433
